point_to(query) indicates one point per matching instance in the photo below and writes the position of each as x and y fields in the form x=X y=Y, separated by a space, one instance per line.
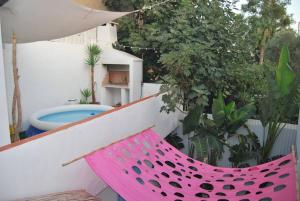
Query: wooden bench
x=78 y=195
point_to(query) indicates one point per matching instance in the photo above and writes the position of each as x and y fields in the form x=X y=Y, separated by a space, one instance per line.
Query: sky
x=293 y=9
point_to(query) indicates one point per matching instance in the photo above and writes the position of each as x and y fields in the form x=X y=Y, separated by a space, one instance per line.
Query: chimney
x=107 y=35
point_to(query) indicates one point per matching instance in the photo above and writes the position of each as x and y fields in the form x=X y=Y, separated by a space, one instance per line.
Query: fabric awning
x=36 y=20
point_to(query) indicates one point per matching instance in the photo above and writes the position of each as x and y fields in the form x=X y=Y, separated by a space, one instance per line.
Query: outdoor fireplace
x=121 y=73
x=116 y=77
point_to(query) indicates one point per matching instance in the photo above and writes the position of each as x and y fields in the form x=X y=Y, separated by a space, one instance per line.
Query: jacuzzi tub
x=51 y=118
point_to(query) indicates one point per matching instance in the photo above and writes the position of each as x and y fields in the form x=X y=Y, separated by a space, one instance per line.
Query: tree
x=201 y=41
x=16 y=103
x=194 y=41
x=122 y=5
x=136 y=29
x=289 y=38
x=266 y=17
x=92 y=60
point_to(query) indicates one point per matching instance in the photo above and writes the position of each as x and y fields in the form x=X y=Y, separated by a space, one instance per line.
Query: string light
x=145 y=7
x=136 y=47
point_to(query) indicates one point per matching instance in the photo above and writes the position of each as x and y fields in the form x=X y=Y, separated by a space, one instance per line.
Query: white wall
x=86 y=37
x=136 y=79
x=50 y=74
x=166 y=122
x=150 y=88
x=4 y=123
x=34 y=168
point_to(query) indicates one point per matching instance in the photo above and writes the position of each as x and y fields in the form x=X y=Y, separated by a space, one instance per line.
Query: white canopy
x=36 y=20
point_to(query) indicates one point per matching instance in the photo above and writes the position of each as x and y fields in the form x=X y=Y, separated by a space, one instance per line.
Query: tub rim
x=45 y=125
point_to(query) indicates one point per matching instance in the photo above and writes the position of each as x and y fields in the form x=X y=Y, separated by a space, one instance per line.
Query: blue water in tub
x=69 y=116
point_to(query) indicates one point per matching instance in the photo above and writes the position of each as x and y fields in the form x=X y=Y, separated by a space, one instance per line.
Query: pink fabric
x=146 y=168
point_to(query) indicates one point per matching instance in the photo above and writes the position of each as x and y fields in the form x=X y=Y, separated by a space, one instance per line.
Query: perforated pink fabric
x=146 y=168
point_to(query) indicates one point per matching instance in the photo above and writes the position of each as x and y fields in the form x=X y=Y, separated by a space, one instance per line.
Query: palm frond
x=93 y=52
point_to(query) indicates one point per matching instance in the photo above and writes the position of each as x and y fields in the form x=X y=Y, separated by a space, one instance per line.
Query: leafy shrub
x=86 y=94
x=209 y=136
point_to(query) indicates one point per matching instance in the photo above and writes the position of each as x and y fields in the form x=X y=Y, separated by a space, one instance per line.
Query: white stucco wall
x=150 y=88
x=35 y=168
x=136 y=78
x=4 y=123
x=50 y=74
x=167 y=120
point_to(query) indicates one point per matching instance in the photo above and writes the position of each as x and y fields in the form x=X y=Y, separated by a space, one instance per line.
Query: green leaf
x=93 y=52
x=284 y=74
x=86 y=93
x=239 y=117
x=207 y=146
x=191 y=121
x=218 y=110
x=229 y=108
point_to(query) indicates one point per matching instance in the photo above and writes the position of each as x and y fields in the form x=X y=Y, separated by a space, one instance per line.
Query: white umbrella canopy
x=37 y=20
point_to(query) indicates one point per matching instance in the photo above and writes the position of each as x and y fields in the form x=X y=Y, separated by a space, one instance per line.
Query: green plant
x=248 y=147
x=244 y=84
x=280 y=102
x=289 y=38
x=92 y=60
x=227 y=117
x=197 y=56
x=209 y=136
x=86 y=93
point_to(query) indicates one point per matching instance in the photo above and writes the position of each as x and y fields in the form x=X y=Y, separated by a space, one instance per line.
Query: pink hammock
x=144 y=167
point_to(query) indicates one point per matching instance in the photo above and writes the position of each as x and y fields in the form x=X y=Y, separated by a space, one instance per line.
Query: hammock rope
x=144 y=167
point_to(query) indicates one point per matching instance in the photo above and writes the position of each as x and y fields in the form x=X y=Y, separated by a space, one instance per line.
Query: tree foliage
x=202 y=46
x=195 y=42
x=290 y=39
x=266 y=17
